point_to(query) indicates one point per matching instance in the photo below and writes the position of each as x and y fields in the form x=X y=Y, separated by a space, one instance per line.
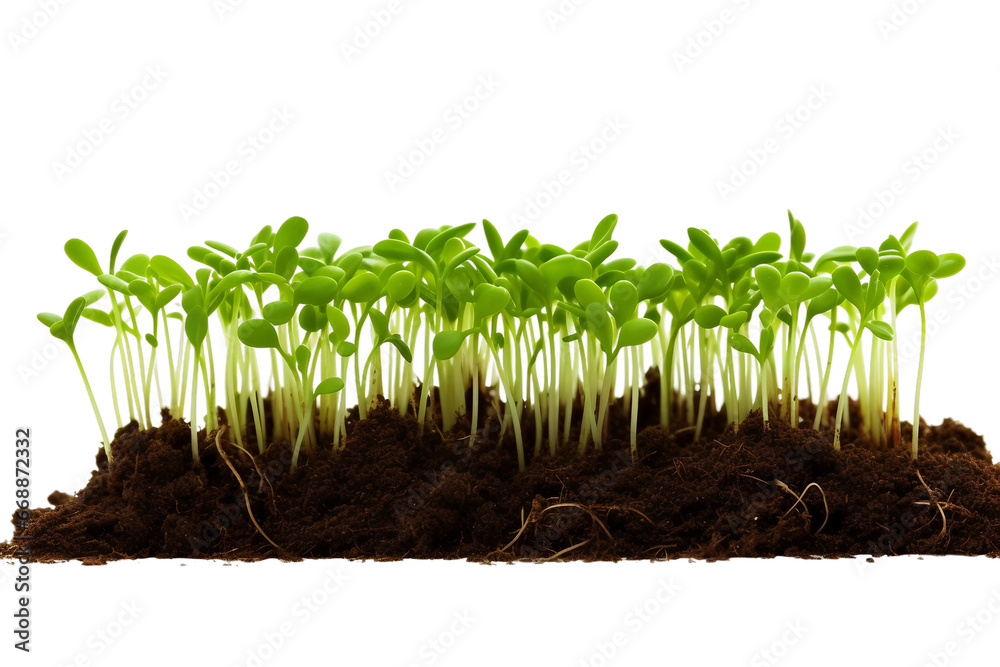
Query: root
x=798 y=499
x=536 y=513
x=566 y=550
x=243 y=486
x=944 y=519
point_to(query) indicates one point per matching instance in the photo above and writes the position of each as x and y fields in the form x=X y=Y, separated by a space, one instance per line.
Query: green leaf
x=875 y=293
x=328 y=245
x=401 y=285
x=793 y=287
x=766 y=343
x=94 y=296
x=339 y=324
x=735 y=320
x=950 y=263
x=364 y=287
x=151 y=339
x=842 y=254
x=278 y=312
x=404 y=351
x=602 y=233
x=890 y=265
x=922 y=262
x=823 y=303
x=598 y=255
x=302 y=355
x=741 y=343
x=316 y=291
x=291 y=233
x=448 y=343
x=347 y=349
x=223 y=248
x=196 y=326
x=436 y=244
x=400 y=251
x=113 y=282
x=83 y=256
x=380 y=325
x=769 y=283
x=682 y=255
x=817 y=286
x=709 y=316
x=654 y=281
x=747 y=262
x=458 y=259
x=329 y=386
x=868 y=259
x=169 y=272
x=490 y=301
x=907 y=238
x=286 y=261
x=881 y=329
x=258 y=334
x=587 y=292
x=600 y=325
x=624 y=298
x=115 y=248
x=97 y=316
x=798 y=238
x=849 y=286
x=636 y=332
x=493 y=241
x=565 y=268
x=706 y=245
x=166 y=295
x=769 y=242
x=312 y=318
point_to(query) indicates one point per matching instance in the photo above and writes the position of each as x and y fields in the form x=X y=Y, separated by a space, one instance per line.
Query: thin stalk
x=93 y=403
x=920 y=376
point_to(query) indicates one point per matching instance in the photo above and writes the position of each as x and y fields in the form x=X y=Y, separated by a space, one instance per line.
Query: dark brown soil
x=391 y=494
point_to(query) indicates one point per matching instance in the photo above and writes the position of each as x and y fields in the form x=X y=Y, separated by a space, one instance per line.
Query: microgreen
x=550 y=331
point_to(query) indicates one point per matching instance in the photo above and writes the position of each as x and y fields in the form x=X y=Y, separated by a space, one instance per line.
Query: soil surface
x=391 y=494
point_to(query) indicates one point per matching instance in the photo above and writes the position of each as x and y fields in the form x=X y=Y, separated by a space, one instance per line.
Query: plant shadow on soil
x=392 y=493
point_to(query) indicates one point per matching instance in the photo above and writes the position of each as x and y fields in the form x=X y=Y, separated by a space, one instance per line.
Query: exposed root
x=566 y=550
x=585 y=509
x=798 y=499
x=536 y=513
x=243 y=486
x=944 y=519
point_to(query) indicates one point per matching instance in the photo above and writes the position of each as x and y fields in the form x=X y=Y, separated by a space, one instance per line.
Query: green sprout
x=552 y=340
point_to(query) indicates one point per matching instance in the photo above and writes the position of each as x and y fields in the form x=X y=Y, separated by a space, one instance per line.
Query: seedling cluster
x=562 y=336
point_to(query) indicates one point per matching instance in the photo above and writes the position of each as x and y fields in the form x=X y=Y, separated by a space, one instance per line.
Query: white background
x=684 y=94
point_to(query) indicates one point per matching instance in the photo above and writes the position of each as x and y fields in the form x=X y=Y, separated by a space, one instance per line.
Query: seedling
x=536 y=330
